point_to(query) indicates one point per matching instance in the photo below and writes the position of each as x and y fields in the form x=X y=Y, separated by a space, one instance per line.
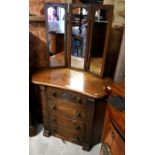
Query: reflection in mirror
x=55 y=19
x=98 y=42
x=78 y=37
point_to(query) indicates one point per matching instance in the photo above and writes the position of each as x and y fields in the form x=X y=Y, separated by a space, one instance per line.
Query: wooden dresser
x=113 y=135
x=73 y=105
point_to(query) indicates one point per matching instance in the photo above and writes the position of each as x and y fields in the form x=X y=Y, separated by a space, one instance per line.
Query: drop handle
x=54 y=93
x=54 y=120
x=77 y=126
x=78 y=100
x=76 y=138
x=55 y=130
x=53 y=107
x=77 y=114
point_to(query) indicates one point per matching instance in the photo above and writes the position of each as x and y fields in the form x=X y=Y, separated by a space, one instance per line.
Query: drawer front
x=67 y=110
x=66 y=134
x=114 y=140
x=62 y=121
x=66 y=96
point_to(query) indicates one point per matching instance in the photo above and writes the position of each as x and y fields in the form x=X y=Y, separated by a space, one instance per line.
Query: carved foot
x=46 y=133
x=86 y=147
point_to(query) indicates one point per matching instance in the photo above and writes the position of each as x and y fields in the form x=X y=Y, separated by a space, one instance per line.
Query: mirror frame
x=109 y=12
x=69 y=44
x=62 y=5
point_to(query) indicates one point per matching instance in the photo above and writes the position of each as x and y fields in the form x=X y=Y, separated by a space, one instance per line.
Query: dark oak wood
x=113 y=133
x=44 y=111
x=73 y=113
x=68 y=79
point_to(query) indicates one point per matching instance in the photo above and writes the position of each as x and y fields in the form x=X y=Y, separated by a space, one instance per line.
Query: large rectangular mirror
x=56 y=33
x=100 y=30
x=79 y=34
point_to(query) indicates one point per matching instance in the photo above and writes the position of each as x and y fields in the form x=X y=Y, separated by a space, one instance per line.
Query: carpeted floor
x=40 y=145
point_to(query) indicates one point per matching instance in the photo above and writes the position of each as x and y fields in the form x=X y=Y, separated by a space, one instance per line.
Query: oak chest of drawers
x=72 y=113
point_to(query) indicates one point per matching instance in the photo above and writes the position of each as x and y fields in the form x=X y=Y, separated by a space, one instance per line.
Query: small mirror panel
x=56 y=33
x=79 y=32
x=99 y=40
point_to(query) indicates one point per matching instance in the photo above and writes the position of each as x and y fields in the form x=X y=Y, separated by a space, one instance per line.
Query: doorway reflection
x=78 y=37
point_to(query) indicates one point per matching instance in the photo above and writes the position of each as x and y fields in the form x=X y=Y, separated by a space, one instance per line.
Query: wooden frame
x=62 y=5
x=109 y=14
x=69 y=44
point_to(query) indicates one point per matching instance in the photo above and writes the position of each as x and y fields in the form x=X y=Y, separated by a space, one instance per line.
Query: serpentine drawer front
x=66 y=134
x=68 y=110
x=62 y=121
x=66 y=96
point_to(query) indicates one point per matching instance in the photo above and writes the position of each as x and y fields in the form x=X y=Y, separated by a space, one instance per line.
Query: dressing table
x=73 y=97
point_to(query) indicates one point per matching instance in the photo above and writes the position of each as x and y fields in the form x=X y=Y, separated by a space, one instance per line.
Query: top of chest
x=68 y=79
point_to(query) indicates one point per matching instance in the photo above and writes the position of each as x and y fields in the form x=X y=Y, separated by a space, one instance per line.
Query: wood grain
x=68 y=79
x=113 y=132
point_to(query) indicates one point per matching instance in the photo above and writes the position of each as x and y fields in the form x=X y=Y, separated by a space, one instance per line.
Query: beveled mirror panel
x=56 y=33
x=79 y=36
x=101 y=24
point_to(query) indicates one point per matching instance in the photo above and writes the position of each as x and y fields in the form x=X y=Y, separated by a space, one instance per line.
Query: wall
x=37 y=46
x=36 y=7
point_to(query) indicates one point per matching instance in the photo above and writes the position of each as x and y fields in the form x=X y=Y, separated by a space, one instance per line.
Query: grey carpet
x=40 y=145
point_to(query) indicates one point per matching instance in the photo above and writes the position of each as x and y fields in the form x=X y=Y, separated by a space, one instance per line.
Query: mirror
x=56 y=33
x=79 y=35
x=99 y=39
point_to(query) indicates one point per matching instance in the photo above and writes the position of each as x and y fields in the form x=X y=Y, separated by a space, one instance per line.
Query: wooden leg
x=86 y=147
x=46 y=133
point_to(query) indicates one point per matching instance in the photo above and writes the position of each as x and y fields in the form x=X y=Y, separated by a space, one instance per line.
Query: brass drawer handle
x=77 y=114
x=55 y=130
x=54 y=93
x=77 y=126
x=76 y=138
x=53 y=107
x=78 y=100
x=54 y=120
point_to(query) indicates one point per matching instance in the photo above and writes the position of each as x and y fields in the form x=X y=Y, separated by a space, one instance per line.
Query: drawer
x=67 y=110
x=62 y=121
x=114 y=140
x=66 y=96
x=66 y=134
